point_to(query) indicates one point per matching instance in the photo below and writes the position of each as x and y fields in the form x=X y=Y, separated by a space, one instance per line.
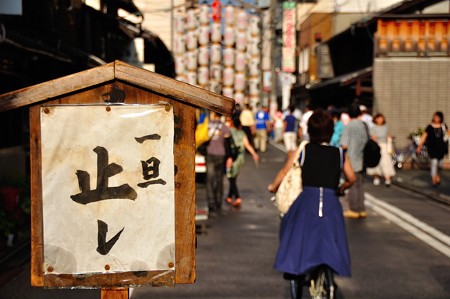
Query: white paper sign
x=108 y=188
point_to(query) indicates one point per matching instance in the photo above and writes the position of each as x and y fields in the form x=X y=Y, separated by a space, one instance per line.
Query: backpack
x=372 y=152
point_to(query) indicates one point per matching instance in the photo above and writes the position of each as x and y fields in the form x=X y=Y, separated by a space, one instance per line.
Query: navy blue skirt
x=308 y=240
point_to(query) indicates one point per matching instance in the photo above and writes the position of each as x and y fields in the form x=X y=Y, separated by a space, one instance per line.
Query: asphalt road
x=235 y=253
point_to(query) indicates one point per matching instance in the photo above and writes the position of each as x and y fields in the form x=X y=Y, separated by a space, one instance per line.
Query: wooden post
x=114 y=293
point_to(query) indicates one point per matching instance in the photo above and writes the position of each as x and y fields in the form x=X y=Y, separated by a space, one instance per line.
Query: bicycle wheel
x=421 y=158
x=322 y=284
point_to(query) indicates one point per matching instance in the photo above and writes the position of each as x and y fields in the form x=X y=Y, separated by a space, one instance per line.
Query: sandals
x=237 y=202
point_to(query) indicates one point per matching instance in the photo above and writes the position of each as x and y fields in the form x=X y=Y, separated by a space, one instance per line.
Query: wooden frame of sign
x=118 y=82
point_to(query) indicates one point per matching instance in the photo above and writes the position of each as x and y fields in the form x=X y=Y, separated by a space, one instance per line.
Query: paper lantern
x=228 y=56
x=242 y=20
x=180 y=67
x=228 y=92
x=229 y=14
x=191 y=60
x=191 y=40
x=253 y=67
x=216 y=32
x=203 y=75
x=203 y=35
x=253 y=86
x=229 y=36
x=254 y=25
x=239 y=97
x=203 y=56
x=216 y=72
x=192 y=78
x=240 y=64
x=179 y=46
x=204 y=14
x=253 y=48
x=239 y=82
x=241 y=41
x=228 y=77
x=214 y=86
x=179 y=23
x=191 y=19
x=216 y=53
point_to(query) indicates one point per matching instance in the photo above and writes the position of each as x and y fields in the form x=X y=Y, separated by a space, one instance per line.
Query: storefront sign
x=289 y=40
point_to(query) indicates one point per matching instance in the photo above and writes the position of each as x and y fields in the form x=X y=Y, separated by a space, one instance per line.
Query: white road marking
x=421 y=230
x=279 y=146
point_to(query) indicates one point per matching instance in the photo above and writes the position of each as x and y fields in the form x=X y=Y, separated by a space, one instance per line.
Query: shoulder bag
x=291 y=185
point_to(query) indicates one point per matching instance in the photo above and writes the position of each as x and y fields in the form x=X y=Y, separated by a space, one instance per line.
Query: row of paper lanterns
x=226 y=63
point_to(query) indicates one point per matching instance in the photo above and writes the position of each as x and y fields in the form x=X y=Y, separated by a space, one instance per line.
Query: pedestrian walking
x=262 y=126
x=435 y=138
x=338 y=127
x=380 y=134
x=312 y=232
x=237 y=111
x=233 y=168
x=353 y=139
x=303 y=125
x=365 y=116
x=290 y=132
x=215 y=160
x=247 y=120
x=278 y=126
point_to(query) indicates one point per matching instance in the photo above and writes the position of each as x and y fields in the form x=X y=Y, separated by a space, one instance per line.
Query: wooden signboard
x=112 y=177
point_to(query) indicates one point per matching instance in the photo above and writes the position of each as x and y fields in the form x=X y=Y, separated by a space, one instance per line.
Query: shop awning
x=344 y=80
x=342 y=90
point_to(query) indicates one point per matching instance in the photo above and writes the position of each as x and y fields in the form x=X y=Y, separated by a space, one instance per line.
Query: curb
x=434 y=195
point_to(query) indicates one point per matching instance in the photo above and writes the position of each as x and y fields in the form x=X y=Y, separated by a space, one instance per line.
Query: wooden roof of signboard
x=117 y=71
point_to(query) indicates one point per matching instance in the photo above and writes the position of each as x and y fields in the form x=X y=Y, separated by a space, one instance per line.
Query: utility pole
x=274 y=85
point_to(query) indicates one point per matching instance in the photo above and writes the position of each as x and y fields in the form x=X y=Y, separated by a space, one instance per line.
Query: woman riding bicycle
x=312 y=232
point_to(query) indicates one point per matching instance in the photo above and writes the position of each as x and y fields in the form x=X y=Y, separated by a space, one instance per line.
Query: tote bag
x=291 y=185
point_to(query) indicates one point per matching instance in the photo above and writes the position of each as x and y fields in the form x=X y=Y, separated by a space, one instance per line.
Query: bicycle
x=322 y=284
x=399 y=157
x=319 y=281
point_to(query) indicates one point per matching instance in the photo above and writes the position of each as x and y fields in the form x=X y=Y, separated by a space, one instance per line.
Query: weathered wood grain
x=37 y=256
x=57 y=87
x=114 y=293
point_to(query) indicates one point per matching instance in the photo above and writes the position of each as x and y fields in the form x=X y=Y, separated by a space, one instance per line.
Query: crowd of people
x=251 y=130
x=312 y=232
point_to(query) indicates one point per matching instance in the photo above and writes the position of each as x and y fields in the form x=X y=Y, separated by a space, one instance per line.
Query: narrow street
x=236 y=253
x=236 y=250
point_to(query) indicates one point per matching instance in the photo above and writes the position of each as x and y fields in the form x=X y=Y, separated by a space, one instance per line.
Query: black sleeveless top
x=321 y=166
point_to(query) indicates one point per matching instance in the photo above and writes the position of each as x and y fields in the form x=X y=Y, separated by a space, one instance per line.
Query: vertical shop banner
x=108 y=188
x=289 y=40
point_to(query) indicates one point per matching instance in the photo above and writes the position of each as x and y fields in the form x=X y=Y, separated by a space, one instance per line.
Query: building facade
x=44 y=40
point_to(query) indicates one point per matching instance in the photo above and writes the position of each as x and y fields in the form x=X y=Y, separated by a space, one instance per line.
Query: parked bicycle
x=400 y=156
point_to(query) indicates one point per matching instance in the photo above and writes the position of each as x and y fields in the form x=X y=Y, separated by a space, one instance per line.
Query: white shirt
x=304 y=124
